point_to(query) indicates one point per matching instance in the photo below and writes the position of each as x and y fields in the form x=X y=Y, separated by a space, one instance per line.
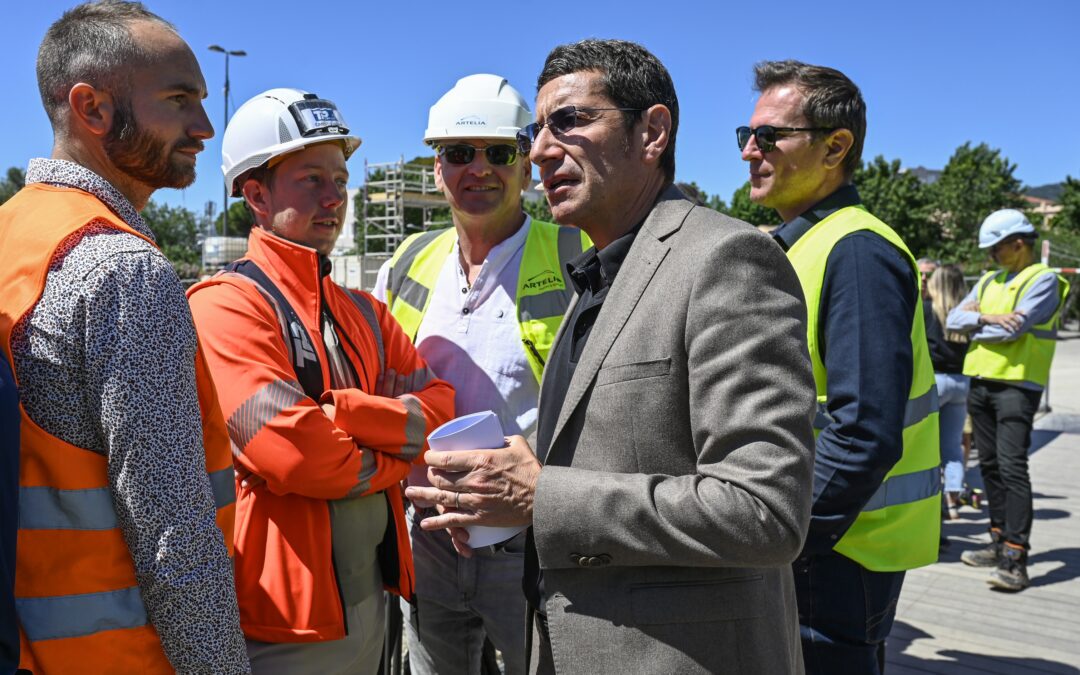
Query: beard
x=145 y=157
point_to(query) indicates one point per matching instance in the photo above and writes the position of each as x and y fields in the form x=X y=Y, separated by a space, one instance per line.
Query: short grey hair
x=90 y=43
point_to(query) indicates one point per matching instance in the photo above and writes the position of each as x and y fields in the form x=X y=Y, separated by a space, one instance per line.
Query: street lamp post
x=225 y=123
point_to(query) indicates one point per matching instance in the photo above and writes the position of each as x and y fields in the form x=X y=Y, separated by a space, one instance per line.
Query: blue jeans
x=845 y=613
x=952 y=401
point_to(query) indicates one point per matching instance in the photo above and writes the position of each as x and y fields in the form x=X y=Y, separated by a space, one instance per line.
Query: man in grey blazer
x=670 y=489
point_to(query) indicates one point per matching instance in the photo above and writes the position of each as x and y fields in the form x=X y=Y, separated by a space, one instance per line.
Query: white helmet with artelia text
x=479 y=106
x=1002 y=224
x=275 y=123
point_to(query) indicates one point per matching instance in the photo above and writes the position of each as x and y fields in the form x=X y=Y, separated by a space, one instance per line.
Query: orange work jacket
x=285 y=579
x=79 y=605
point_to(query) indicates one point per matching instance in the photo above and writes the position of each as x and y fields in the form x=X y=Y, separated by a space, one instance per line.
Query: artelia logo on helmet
x=471 y=121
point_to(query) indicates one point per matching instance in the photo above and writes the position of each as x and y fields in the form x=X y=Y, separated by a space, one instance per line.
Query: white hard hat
x=277 y=122
x=479 y=106
x=1002 y=224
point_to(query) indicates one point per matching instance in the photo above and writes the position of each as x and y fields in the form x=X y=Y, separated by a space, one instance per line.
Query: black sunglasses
x=560 y=121
x=463 y=153
x=766 y=135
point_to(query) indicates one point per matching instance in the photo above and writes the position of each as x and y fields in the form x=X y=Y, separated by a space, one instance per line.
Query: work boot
x=1011 y=573
x=985 y=557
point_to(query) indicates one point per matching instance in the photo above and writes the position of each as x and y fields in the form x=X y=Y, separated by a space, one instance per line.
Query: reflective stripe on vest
x=542 y=292
x=898 y=528
x=48 y=508
x=72 y=616
x=1028 y=357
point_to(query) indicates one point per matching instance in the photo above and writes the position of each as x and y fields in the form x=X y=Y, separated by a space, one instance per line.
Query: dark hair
x=631 y=76
x=90 y=43
x=830 y=99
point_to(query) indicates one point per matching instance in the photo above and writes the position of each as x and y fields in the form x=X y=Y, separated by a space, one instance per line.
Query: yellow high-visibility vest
x=1028 y=357
x=543 y=293
x=898 y=529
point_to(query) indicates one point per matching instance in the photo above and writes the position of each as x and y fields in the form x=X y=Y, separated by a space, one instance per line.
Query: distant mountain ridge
x=1051 y=191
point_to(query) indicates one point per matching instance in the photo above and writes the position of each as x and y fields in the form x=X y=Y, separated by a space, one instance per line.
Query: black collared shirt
x=592 y=274
x=866 y=310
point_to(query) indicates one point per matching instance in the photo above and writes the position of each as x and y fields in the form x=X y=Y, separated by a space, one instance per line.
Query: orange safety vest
x=79 y=605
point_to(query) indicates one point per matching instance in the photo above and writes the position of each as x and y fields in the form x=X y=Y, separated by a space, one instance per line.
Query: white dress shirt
x=470 y=336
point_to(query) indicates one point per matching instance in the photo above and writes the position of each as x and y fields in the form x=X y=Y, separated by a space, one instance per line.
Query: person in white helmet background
x=482 y=301
x=1012 y=315
x=327 y=402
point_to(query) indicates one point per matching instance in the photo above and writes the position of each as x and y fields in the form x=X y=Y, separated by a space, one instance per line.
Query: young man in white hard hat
x=327 y=401
x=482 y=301
x=1012 y=316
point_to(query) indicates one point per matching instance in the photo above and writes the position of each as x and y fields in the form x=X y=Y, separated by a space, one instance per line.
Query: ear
x=90 y=109
x=837 y=146
x=257 y=197
x=439 y=185
x=657 y=133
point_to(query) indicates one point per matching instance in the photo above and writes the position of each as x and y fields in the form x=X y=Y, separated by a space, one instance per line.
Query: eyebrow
x=187 y=89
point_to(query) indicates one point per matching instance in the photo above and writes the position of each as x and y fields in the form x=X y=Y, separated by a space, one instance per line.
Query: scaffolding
x=390 y=189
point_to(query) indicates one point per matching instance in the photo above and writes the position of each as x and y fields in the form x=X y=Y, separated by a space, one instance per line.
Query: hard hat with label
x=1002 y=224
x=277 y=122
x=479 y=106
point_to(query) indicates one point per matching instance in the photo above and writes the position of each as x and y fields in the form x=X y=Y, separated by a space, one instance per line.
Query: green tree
x=11 y=183
x=975 y=182
x=900 y=200
x=744 y=209
x=538 y=209
x=240 y=221
x=1068 y=220
x=176 y=231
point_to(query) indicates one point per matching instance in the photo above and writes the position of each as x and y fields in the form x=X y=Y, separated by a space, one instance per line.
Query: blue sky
x=934 y=74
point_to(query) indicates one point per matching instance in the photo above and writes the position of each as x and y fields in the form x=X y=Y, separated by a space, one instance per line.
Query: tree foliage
x=744 y=209
x=900 y=200
x=1068 y=220
x=240 y=221
x=538 y=209
x=975 y=182
x=11 y=183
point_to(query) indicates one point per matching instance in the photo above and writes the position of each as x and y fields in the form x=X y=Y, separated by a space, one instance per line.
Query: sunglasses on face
x=462 y=153
x=560 y=121
x=766 y=135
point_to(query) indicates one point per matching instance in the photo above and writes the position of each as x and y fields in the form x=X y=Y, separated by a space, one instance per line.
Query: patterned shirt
x=106 y=362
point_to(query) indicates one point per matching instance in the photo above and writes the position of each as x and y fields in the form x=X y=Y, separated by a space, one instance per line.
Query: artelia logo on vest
x=471 y=121
x=542 y=281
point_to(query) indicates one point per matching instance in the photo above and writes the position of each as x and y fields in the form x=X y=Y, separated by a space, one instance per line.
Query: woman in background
x=945 y=290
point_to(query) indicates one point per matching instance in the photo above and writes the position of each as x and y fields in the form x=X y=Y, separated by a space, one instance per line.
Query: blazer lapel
x=644 y=257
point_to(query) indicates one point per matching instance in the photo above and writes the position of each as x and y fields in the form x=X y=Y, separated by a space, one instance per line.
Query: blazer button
x=604 y=559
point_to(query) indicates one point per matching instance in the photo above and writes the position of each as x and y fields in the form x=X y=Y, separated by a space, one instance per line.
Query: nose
x=200 y=127
x=751 y=150
x=480 y=166
x=333 y=195
x=544 y=147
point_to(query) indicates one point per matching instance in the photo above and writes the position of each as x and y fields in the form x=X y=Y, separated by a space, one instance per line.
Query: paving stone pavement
x=950 y=621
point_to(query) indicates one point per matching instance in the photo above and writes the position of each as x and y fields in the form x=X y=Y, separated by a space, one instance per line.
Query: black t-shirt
x=947 y=356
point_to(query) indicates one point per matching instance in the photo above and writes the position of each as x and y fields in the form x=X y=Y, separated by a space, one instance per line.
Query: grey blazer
x=666 y=543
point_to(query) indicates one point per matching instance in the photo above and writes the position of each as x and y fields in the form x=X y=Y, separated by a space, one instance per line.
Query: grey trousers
x=357 y=654
x=460 y=600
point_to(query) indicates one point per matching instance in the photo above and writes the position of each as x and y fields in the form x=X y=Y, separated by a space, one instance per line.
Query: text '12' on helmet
x=275 y=123
x=1002 y=224
x=479 y=106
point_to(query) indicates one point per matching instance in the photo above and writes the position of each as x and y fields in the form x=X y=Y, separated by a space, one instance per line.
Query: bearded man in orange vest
x=126 y=491
x=328 y=403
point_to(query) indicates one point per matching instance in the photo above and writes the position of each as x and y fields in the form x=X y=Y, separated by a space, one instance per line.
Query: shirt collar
x=69 y=174
x=789 y=233
x=596 y=270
